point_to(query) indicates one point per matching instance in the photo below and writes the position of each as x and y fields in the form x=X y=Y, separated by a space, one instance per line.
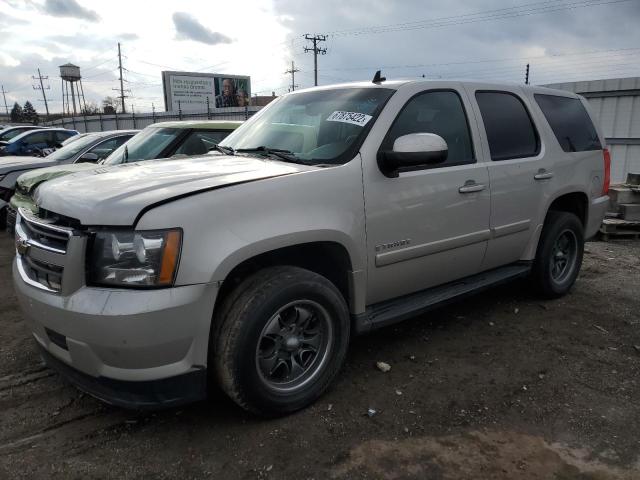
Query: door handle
x=470 y=186
x=543 y=175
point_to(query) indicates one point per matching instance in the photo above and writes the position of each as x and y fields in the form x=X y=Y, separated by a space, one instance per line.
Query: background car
x=91 y=148
x=9 y=132
x=37 y=142
x=160 y=140
x=168 y=139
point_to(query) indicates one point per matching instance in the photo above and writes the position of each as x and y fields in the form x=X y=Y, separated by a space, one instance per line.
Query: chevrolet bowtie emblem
x=22 y=246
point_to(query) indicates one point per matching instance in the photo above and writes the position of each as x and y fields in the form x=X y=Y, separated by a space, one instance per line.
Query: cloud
x=188 y=28
x=87 y=41
x=69 y=8
x=459 y=47
x=128 y=36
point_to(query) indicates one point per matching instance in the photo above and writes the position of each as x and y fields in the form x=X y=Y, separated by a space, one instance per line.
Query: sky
x=562 y=40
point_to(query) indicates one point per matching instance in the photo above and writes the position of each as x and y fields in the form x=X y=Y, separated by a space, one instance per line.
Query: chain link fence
x=134 y=121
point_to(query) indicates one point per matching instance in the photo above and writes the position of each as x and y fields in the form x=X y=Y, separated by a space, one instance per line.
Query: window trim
x=527 y=111
x=473 y=159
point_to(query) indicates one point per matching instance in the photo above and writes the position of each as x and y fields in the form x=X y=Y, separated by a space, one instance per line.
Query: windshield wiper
x=285 y=155
x=126 y=153
x=221 y=149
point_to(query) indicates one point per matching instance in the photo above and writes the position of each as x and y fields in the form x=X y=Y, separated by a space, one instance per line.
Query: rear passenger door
x=519 y=171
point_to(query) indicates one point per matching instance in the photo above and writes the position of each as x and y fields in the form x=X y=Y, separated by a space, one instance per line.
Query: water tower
x=71 y=79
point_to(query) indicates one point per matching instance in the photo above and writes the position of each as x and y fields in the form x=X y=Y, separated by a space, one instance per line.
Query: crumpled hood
x=29 y=180
x=112 y=196
x=13 y=163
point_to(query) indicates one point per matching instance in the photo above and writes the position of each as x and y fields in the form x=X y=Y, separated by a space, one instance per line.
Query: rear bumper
x=597 y=210
x=153 y=394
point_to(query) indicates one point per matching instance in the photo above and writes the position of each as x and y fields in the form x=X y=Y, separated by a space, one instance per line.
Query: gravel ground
x=501 y=385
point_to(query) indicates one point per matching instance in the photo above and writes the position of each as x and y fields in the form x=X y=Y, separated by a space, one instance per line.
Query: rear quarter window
x=570 y=123
x=510 y=130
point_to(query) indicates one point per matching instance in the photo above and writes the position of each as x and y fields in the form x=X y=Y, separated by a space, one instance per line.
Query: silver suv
x=332 y=212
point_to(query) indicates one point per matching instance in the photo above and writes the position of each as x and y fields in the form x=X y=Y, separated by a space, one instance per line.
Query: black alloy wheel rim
x=564 y=255
x=294 y=346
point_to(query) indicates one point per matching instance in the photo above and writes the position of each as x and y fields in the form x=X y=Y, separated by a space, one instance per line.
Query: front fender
x=225 y=227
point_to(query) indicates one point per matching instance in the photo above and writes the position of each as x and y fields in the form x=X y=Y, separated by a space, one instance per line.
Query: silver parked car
x=333 y=211
x=90 y=148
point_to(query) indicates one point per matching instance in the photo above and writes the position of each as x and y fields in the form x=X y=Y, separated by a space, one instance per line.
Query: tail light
x=607 y=171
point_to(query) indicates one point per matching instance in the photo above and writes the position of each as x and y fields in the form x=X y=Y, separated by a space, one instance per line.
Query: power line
x=316 y=50
x=528 y=9
x=542 y=58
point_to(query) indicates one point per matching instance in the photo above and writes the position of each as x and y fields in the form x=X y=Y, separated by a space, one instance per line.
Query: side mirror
x=413 y=150
x=88 y=158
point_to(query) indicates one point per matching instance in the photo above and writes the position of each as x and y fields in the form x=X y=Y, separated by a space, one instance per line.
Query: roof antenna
x=378 y=79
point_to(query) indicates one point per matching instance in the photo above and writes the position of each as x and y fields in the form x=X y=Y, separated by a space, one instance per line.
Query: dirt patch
x=500 y=385
x=495 y=455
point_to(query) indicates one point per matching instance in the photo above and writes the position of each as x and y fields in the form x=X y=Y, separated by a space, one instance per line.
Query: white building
x=616 y=103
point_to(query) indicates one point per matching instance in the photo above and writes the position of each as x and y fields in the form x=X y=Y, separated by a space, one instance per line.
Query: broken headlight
x=135 y=259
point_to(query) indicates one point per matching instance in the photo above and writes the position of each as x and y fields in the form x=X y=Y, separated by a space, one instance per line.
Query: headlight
x=135 y=259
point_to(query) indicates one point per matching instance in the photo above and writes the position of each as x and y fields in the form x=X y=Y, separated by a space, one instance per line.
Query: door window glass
x=102 y=150
x=439 y=112
x=509 y=127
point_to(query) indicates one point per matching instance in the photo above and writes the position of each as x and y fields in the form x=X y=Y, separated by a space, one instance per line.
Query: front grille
x=43 y=273
x=41 y=249
x=45 y=236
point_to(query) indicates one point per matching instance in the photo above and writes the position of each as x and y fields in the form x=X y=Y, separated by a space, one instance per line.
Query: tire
x=562 y=238
x=265 y=333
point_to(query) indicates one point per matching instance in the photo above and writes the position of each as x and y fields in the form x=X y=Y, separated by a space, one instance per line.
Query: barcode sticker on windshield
x=354 y=118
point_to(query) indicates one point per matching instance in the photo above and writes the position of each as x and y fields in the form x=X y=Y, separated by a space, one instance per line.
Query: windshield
x=325 y=126
x=69 y=151
x=146 y=145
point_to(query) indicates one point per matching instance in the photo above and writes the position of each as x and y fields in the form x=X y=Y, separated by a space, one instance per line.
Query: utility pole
x=5 y=100
x=41 y=87
x=316 y=50
x=293 y=75
x=526 y=77
x=122 y=96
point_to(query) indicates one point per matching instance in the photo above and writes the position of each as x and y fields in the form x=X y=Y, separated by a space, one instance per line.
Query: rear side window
x=570 y=123
x=509 y=127
x=37 y=138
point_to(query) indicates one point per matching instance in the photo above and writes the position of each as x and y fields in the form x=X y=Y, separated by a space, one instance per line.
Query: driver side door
x=430 y=224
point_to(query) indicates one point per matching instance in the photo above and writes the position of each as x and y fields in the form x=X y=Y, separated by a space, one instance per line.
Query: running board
x=398 y=309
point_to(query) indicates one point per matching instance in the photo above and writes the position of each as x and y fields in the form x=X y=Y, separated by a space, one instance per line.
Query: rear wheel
x=559 y=254
x=280 y=339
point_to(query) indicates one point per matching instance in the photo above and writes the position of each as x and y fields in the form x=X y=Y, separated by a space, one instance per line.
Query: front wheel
x=559 y=254
x=280 y=338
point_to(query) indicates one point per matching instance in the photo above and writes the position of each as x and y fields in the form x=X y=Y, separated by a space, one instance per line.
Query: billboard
x=189 y=91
